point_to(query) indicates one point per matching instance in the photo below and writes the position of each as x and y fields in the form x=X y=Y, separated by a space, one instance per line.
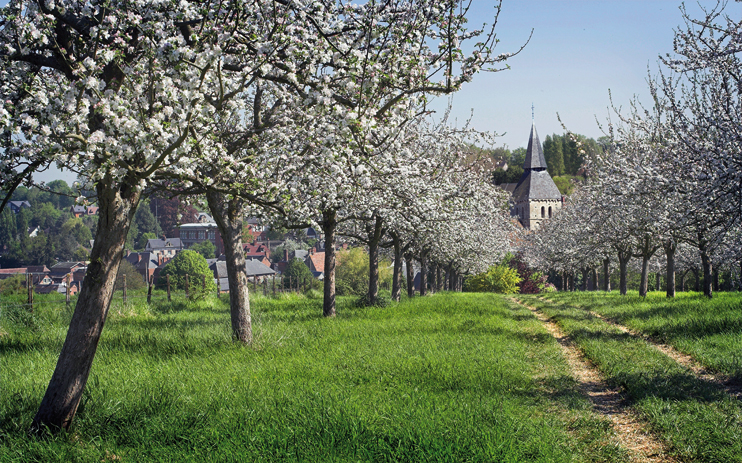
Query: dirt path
x=724 y=382
x=631 y=431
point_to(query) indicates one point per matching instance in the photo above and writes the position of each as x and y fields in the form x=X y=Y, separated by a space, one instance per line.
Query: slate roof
x=254 y=268
x=169 y=243
x=535 y=154
x=536 y=185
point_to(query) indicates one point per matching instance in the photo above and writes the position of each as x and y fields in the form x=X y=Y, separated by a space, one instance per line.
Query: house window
x=201 y=235
x=192 y=235
x=543 y=212
x=549 y=211
x=212 y=235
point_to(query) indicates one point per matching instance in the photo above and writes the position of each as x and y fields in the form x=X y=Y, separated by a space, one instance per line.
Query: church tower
x=536 y=196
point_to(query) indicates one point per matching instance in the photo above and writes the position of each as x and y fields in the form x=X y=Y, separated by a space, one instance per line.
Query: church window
x=543 y=212
x=549 y=211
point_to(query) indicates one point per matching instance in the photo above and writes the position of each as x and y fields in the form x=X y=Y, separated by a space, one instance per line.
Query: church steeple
x=535 y=159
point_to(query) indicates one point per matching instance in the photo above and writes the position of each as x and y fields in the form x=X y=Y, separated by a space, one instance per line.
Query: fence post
x=168 y=287
x=274 y=284
x=150 y=282
x=218 y=286
x=29 y=286
x=124 y=288
x=67 y=292
x=187 y=285
x=265 y=286
x=305 y=285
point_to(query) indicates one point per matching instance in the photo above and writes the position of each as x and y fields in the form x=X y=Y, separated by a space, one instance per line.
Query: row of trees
x=669 y=181
x=312 y=113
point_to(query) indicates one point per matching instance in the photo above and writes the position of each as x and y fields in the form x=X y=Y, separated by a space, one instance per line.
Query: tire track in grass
x=724 y=382
x=631 y=431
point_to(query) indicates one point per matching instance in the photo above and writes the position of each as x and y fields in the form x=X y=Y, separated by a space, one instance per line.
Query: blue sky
x=580 y=50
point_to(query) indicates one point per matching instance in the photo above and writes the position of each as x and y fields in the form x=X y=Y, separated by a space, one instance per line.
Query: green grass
x=697 y=419
x=708 y=330
x=453 y=377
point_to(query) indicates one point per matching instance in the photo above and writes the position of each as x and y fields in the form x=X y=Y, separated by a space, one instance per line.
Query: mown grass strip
x=446 y=378
x=698 y=420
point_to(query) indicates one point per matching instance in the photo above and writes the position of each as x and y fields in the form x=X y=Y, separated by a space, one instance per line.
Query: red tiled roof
x=318 y=261
x=12 y=271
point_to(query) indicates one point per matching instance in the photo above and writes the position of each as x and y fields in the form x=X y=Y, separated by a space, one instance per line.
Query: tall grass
x=697 y=419
x=708 y=330
x=446 y=378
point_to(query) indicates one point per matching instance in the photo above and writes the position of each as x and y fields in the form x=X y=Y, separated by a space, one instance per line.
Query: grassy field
x=697 y=419
x=708 y=330
x=453 y=377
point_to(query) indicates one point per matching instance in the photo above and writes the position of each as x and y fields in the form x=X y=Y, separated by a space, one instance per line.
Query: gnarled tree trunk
x=228 y=217
x=374 y=234
x=423 y=272
x=329 y=226
x=410 y=275
x=670 y=248
x=707 y=266
x=117 y=204
x=606 y=274
x=644 y=283
x=397 y=277
x=623 y=261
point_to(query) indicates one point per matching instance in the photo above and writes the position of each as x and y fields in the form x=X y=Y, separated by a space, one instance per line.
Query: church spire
x=535 y=155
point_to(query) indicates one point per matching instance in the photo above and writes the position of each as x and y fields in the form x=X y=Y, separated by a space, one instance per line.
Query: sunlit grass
x=708 y=330
x=446 y=378
x=697 y=419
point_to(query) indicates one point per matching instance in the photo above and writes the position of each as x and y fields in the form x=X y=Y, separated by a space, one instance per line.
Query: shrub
x=532 y=282
x=205 y=248
x=296 y=269
x=351 y=275
x=13 y=285
x=381 y=301
x=194 y=265
x=134 y=279
x=498 y=279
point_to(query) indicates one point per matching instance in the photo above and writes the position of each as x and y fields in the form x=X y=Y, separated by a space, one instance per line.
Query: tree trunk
x=438 y=278
x=585 y=273
x=623 y=262
x=707 y=266
x=410 y=276
x=670 y=248
x=606 y=275
x=329 y=225
x=375 y=235
x=227 y=214
x=397 y=277
x=563 y=281
x=716 y=279
x=698 y=280
x=595 y=279
x=117 y=204
x=644 y=283
x=423 y=272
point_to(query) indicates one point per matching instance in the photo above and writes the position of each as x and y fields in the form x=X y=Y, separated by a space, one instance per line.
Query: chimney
x=139 y=257
x=312 y=251
x=286 y=255
x=128 y=252
x=159 y=259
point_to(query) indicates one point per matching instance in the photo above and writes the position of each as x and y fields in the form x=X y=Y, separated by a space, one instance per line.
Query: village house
x=16 y=206
x=192 y=233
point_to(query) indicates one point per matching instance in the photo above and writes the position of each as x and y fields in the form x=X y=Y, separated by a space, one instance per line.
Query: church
x=535 y=197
